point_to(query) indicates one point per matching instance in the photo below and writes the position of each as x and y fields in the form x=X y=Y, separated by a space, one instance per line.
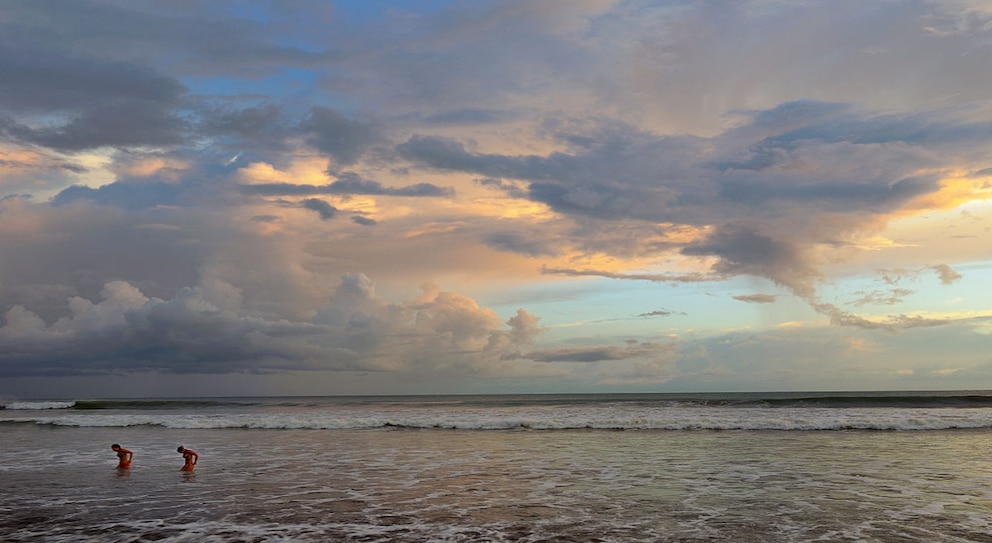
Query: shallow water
x=507 y=485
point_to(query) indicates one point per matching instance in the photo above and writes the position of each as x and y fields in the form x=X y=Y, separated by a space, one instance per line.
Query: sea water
x=572 y=468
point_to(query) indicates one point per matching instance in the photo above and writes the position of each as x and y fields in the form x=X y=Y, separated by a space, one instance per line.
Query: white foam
x=29 y=405
x=531 y=418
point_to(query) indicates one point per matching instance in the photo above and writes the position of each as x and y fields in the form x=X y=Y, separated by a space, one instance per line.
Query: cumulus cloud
x=125 y=331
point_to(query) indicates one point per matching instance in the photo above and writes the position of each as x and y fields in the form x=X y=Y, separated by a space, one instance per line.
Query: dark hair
x=180 y=449
x=115 y=446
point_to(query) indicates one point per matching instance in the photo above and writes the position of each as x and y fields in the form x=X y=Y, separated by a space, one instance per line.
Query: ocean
x=798 y=467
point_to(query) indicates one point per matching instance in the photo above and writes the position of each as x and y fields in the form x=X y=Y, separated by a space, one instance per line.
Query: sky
x=420 y=197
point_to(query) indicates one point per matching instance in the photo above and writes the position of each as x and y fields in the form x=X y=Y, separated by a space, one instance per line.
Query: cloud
x=137 y=194
x=880 y=297
x=768 y=197
x=598 y=353
x=343 y=139
x=86 y=102
x=324 y=209
x=661 y=313
x=467 y=116
x=946 y=273
x=654 y=277
x=126 y=331
x=520 y=243
x=38 y=78
x=199 y=39
x=263 y=129
x=364 y=221
x=741 y=250
x=351 y=184
x=122 y=124
x=757 y=298
x=178 y=169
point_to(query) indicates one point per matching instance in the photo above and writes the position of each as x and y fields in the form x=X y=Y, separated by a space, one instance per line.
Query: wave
x=904 y=401
x=127 y=404
x=824 y=400
x=34 y=405
x=522 y=426
x=604 y=418
x=182 y=403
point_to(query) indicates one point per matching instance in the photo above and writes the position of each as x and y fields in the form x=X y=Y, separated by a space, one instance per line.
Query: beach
x=479 y=470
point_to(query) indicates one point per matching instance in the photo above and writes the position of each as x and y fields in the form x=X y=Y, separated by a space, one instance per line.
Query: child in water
x=189 y=456
x=124 y=456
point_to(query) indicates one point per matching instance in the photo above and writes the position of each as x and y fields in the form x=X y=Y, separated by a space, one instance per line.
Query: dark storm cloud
x=85 y=75
x=69 y=99
x=742 y=251
x=124 y=195
x=192 y=188
x=760 y=169
x=284 y=189
x=85 y=103
x=349 y=185
x=468 y=116
x=263 y=127
x=364 y=221
x=343 y=139
x=449 y=154
x=830 y=196
x=513 y=190
x=40 y=79
x=183 y=335
x=127 y=123
x=203 y=38
x=324 y=209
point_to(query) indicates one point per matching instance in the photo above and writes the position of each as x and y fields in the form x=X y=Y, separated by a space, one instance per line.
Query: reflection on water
x=402 y=485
